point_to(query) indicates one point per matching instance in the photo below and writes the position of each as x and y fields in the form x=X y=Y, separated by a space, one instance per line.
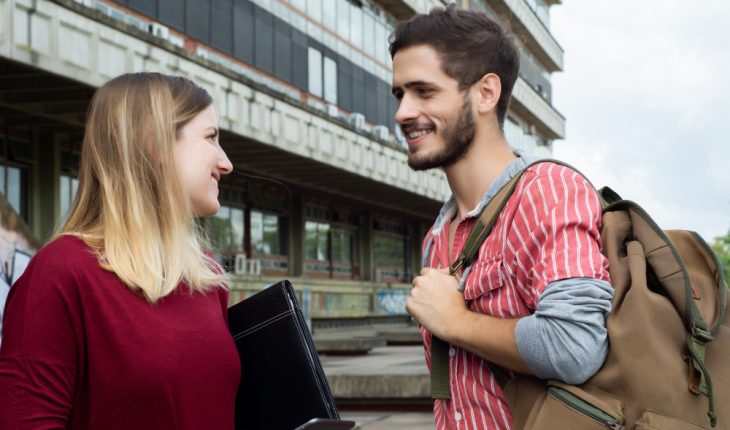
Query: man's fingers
x=427 y=270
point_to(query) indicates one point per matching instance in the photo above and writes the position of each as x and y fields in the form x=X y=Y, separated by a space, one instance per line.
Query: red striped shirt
x=548 y=230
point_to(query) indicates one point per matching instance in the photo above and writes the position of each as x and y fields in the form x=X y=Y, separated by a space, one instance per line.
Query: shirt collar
x=448 y=210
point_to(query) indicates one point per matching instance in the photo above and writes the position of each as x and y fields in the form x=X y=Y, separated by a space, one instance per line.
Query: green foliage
x=721 y=246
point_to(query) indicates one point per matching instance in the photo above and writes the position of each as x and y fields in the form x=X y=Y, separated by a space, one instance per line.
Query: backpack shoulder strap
x=488 y=217
x=480 y=232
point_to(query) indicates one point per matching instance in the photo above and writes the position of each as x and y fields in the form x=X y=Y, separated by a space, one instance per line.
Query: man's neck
x=470 y=177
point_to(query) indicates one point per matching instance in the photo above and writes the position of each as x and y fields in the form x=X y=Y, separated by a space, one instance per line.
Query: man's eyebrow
x=412 y=84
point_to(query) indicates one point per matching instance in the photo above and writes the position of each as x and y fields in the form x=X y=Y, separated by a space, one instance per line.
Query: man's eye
x=424 y=91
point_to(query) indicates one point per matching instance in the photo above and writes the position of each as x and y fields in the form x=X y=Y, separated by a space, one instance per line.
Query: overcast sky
x=646 y=94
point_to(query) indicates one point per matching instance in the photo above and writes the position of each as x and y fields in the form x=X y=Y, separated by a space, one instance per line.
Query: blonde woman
x=120 y=322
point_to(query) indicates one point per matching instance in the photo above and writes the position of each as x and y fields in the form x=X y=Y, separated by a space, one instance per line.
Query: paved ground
x=385 y=374
x=388 y=372
x=391 y=420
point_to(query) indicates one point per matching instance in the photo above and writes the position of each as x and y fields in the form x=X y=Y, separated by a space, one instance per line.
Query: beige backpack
x=669 y=335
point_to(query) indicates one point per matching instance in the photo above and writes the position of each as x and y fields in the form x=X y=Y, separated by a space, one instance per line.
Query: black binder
x=282 y=382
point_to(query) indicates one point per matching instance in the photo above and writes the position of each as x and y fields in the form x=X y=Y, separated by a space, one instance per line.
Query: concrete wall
x=324 y=298
x=71 y=40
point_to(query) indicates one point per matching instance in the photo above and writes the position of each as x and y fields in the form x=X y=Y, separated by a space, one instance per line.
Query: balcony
x=533 y=107
x=536 y=36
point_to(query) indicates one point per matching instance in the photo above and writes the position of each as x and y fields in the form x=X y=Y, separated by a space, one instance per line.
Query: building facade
x=322 y=193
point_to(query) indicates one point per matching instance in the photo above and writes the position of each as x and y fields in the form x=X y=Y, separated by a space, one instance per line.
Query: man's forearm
x=489 y=337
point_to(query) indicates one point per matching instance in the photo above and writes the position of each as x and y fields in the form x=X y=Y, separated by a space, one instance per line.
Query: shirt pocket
x=483 y=278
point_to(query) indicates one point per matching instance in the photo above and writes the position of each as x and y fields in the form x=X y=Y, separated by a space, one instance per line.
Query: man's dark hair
x=469 y=44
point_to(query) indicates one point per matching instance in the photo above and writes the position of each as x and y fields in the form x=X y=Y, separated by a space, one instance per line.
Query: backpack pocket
x=576 y=408
x=654 y=421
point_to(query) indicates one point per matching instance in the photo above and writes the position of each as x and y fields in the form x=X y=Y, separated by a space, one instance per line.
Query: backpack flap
x=671 y=277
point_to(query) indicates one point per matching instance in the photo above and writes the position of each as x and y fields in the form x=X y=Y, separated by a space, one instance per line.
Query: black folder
x=282 y=382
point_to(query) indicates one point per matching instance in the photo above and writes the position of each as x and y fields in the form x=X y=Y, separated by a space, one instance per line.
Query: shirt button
x=452 y=352
x=457 y=416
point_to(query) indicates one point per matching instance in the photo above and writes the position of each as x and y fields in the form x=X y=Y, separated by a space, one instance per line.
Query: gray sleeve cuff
x=566 y=338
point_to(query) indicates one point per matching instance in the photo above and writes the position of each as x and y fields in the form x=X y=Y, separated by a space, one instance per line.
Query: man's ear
x=488 y=88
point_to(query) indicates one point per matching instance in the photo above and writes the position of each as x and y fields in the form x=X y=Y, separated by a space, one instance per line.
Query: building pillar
x=419 y=230
x=296 y=234
x=365 y=240
x=45 y=198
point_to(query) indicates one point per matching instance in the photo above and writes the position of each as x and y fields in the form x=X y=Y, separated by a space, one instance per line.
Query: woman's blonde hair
x=130 y=206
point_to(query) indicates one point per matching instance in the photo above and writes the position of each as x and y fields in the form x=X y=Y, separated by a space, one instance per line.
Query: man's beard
x=457 y=137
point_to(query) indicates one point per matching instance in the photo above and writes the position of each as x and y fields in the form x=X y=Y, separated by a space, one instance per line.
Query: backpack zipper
x=581 y=406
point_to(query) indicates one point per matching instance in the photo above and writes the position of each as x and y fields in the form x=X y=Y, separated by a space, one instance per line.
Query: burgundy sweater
x=80 y=350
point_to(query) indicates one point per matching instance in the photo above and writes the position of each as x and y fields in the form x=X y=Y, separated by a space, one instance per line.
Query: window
x=315 y=72
x=226 y=232
x=343 y=239
x=368 y=27
x=226 y=229
x=343 y=18
x=356 y=26
x=69 y=185
x=14 y=185
x=329 y=14
x=269 y=241
x=330 y=80
x=316 y=240
x=381 y=43
x=330 y=243
x=322 y=76
x=265 y=233
x=391 y=250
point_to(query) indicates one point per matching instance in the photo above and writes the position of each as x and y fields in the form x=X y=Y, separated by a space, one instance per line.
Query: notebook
x=282 y=382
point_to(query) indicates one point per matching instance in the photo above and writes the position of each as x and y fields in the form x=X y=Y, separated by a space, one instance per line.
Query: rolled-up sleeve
x=566 y=338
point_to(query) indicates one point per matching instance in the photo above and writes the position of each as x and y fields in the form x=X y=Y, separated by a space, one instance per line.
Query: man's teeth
x=419 y=133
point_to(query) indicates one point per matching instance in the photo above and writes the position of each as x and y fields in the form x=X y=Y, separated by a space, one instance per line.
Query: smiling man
x=535 y=299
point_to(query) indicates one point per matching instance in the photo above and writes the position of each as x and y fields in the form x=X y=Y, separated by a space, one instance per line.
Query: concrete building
x=302 y=88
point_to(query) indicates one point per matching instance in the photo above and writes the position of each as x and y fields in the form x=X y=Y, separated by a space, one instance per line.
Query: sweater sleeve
x=39 y=352
x=566 y=338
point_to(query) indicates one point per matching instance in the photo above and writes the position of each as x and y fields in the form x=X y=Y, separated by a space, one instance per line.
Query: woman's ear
x=489 y=88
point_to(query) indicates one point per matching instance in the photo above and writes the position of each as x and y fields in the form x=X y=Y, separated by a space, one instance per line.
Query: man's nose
x=407 y=110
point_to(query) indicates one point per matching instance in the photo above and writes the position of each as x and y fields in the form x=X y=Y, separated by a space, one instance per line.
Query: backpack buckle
x=701 y=335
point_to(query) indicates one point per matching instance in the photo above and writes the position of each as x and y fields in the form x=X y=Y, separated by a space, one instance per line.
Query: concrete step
x=387 y=375
x=335 y=344
x=409 y=335
x=388 y=420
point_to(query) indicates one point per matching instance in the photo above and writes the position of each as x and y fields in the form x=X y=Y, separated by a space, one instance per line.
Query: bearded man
x=535 y=299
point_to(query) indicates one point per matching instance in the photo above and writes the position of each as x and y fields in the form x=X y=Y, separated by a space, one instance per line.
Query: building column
x=419 y=232
x=296 y=235
x=365 y=241
x=45 y=184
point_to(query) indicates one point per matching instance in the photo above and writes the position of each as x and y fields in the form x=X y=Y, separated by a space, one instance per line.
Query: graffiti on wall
x=392 y=302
